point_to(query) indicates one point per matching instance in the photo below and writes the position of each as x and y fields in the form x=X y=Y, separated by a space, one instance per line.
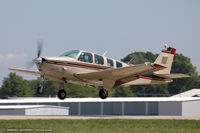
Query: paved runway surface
x=99 y=117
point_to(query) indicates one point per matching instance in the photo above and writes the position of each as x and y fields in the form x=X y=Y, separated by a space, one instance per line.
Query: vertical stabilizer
x=165 y=59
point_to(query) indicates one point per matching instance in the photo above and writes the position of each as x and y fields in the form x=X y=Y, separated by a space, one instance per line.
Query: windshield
x=72 y=54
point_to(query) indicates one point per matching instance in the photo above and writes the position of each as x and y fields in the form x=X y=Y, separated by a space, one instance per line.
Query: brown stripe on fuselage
x=77 y=64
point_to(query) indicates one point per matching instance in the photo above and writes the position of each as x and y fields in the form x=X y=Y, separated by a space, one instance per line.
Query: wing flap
x=171 y=76
x=32 y=72
x=117 y=73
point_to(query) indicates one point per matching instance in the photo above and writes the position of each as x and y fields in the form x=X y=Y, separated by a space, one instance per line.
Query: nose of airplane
x=37 y=60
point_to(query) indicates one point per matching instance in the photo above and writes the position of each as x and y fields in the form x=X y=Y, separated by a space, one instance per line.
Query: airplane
x=91 y=69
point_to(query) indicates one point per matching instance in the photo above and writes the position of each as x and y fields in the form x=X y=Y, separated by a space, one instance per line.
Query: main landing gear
x=103 y=93
x=62 y=94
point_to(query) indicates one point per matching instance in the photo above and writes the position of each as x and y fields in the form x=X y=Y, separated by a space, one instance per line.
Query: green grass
x=106 y=126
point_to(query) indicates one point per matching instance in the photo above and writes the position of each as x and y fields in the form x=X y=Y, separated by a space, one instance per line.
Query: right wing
x=32 y=72
x=118 y=76
x=117 y=73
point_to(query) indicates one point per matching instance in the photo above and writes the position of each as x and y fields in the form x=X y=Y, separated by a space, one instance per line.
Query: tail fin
x=165 y=59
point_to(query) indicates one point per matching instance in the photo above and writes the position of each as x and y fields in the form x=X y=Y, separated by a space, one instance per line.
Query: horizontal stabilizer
x=171 y=76
x=32 y=72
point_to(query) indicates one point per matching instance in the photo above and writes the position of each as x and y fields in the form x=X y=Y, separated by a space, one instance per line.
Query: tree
x=139 y=57
x=122 y=91
x=14 y=85
x=81 y=91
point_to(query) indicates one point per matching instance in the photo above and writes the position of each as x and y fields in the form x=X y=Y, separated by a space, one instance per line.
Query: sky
x=117 y=26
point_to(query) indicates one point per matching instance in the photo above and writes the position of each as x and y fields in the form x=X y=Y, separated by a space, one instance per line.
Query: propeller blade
x=40 y=44
x=38 y=59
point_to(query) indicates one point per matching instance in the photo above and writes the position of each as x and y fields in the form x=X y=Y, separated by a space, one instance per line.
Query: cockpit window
x=72 y=54
x=86 y=57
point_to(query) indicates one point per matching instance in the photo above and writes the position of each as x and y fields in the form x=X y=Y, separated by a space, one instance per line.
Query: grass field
x=104 y=126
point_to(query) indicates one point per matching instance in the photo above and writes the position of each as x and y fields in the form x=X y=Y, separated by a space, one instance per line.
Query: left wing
x=32 y=72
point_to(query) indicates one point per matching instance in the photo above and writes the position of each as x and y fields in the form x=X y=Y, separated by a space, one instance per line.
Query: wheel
x=103 y=93
x=40 y=90
x=62 y=94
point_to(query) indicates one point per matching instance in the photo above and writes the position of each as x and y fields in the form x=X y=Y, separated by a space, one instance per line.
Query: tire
x=103 y=93
x=62 y=94
x=40 y=90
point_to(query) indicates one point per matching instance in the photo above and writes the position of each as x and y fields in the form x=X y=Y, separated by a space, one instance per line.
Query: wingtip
x=187 y=76
x=10 y=68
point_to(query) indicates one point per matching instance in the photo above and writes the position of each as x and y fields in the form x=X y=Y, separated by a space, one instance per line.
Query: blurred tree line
x=16 y=86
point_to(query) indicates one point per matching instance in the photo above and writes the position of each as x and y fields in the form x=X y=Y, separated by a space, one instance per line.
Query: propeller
x=38 y=59
x=39 y=50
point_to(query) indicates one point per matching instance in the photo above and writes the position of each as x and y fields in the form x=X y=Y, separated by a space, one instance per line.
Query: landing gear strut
x=40 y=89
x=62 y=94
x=103 y=93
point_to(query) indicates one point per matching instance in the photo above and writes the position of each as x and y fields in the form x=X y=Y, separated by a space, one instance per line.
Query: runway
x=6 y=117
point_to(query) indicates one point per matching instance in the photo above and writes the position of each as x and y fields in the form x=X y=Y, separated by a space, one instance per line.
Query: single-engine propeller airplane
x=90 y=69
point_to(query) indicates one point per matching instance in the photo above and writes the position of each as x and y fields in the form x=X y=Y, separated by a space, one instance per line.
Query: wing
x=110 y=76
x=171 y=76
x=32 y=72
x=118 y=72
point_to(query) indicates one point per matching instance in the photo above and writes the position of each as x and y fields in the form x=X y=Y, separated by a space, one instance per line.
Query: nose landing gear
x=40 y=89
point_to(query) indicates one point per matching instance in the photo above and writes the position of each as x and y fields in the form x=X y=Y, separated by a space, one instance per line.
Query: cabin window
x=99 y=59
x=86 y=57
x=72 y=54
x=118 y=64
x=110 y=62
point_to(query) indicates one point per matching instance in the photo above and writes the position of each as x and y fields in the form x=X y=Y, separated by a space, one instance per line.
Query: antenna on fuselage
x=105 y=53
x=131 y=60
